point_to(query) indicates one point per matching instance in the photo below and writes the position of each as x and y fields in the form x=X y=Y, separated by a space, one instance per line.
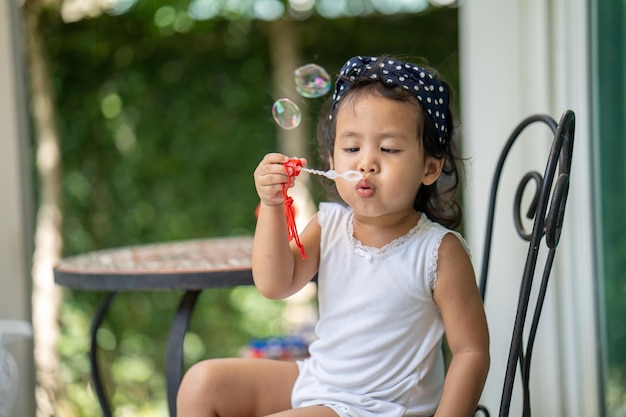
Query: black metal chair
x=546 y=211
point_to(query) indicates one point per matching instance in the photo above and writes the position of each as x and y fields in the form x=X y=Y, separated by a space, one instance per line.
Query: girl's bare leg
x=315 y=411
x=236 y=388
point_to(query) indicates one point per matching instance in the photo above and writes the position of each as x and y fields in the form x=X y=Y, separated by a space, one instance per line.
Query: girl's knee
x=200 y=385
x=236 y=387
x=220 y=387
x=202 y=376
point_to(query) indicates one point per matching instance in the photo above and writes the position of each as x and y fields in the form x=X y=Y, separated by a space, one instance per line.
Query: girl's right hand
x=269 y=177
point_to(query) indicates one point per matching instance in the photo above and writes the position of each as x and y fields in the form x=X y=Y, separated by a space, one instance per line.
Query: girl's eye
x=388 y=150
x=351 y=150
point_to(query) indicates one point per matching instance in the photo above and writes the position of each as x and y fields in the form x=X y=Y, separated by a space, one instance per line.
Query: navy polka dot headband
x=428 y=89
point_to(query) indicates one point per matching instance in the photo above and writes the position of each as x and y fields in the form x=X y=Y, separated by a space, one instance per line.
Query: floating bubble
x=286 y=113
x=312 y=81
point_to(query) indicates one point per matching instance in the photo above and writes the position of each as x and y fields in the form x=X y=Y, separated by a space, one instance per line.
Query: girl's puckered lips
x=365 y=188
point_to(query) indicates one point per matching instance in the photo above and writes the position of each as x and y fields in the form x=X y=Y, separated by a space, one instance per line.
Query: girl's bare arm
x=277 y=266
x=461 y=307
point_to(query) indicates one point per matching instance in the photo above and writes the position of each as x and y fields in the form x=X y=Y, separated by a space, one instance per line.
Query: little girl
x=392 y=275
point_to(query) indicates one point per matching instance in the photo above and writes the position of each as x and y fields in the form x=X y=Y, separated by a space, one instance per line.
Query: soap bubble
x=286 y=113
x=312 y=81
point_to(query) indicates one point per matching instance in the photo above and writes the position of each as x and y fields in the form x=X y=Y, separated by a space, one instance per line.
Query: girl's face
x=379 y=138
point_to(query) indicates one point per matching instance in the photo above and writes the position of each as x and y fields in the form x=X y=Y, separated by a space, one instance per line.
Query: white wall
x=521 y=57
x=15 y=216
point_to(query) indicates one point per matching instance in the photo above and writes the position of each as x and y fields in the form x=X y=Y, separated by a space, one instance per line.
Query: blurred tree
x=163 y=117
x=48 y=243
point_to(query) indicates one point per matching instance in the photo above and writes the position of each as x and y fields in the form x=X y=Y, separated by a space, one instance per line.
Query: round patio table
x=191 y=266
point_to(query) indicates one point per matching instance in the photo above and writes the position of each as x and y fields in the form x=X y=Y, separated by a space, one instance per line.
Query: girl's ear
x=432 y=170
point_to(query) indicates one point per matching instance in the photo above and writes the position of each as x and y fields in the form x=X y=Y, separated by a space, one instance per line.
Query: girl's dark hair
x=439 y=201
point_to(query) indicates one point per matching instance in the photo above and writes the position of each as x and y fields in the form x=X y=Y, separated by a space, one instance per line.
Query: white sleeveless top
x=378 y=351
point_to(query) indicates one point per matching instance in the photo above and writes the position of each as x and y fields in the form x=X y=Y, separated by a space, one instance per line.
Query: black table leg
x=174 y=355
x=93 y=354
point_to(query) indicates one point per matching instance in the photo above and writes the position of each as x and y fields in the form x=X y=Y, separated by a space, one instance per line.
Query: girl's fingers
x=275 y=158
x=271 y=176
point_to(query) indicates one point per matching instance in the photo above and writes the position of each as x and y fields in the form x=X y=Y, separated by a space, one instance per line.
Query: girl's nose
x=368 y=164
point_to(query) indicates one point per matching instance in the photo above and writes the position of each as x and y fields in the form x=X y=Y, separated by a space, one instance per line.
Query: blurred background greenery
x=162 y=118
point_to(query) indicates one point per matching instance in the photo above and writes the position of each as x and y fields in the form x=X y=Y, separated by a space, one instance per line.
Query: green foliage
x=610 y=151
x=161 y=131
x=151 y=131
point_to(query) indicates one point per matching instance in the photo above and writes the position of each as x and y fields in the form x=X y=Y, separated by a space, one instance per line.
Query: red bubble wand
x=292 y=165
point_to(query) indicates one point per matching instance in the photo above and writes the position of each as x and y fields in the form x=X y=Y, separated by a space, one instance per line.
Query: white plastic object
x=11 y=331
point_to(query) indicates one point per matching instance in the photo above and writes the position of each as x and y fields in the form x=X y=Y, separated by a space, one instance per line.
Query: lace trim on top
x=434 y=256
x=370 y=252
x=432 y=265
